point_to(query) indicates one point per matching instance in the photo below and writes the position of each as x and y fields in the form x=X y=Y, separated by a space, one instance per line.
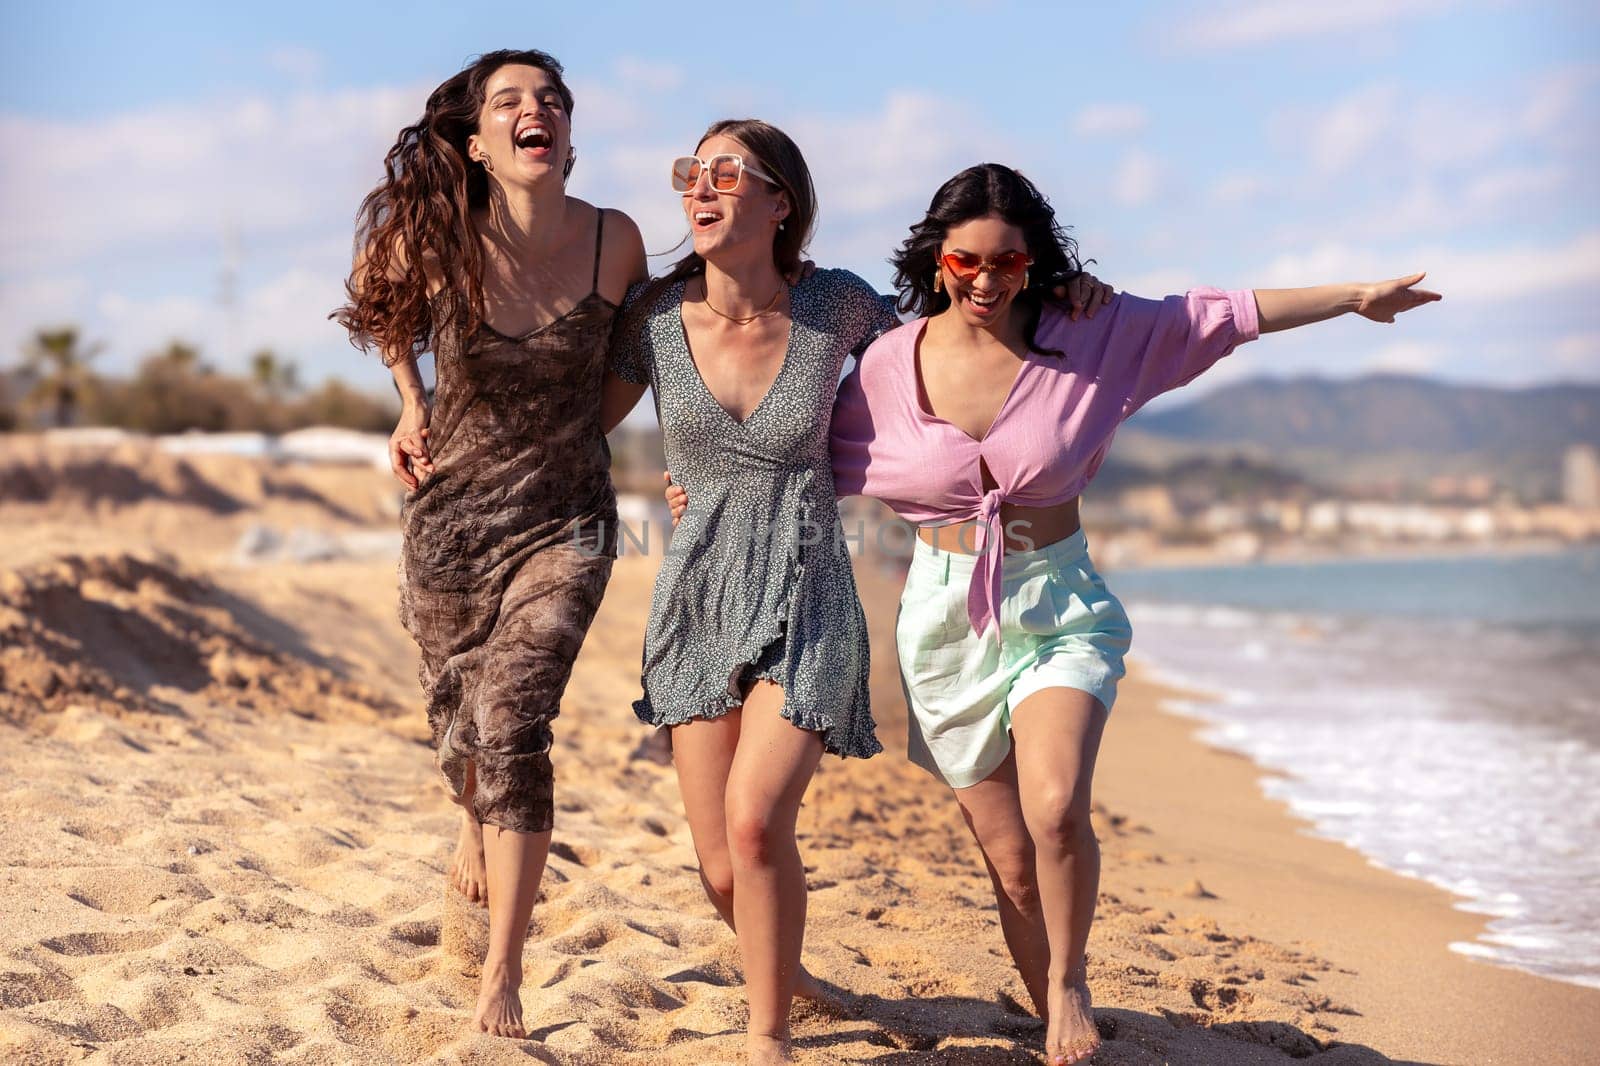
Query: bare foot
x=467 y=872
x=810 y=989
x=761 y=1049
x=1071 y=1036
x=499 y=1011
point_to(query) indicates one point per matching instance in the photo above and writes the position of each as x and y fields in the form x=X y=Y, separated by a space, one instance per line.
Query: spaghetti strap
x=599 y=235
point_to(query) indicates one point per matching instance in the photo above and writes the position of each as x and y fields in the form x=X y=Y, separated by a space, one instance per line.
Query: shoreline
x=1205 y=559
x=1479 y=907
x=1411 y=994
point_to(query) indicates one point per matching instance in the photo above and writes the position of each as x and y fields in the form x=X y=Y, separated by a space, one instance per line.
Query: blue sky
x=153 y=148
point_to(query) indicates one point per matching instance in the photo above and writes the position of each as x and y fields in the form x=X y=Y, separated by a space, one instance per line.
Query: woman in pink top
x=981 y=422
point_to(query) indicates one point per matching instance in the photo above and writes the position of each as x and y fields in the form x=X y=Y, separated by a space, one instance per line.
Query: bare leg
x=1057 y=734
x=467 y=873
x=771 y=769
x=702 y=752
x=515 y=863
x=993 y=811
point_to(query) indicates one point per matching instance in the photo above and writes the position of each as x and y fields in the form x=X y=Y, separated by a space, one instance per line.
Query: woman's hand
x=1279 y=309
x=408 y=444
x=677 y=499
x=1382 y=300
x=1084 y=294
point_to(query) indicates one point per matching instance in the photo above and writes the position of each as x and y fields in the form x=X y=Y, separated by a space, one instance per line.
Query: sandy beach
x=225 y=842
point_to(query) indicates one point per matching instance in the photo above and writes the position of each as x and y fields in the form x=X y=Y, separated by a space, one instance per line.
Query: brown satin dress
x=508 y=546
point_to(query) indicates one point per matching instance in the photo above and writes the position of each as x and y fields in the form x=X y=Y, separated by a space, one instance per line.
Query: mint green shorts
x=1059 y=628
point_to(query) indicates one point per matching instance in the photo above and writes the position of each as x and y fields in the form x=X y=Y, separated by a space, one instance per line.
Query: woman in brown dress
x=470 y=248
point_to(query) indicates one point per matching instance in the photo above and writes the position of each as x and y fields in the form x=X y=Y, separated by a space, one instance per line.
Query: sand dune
x=225 y=843
x=129 y=492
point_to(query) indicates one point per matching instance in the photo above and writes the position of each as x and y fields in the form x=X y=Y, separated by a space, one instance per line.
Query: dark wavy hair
x=986 y=189
x=423 y=209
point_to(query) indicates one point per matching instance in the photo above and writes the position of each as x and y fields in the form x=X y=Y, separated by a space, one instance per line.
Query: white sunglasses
x=724 y=171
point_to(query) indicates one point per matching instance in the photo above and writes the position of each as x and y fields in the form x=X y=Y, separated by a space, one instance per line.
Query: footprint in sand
x=78 y=944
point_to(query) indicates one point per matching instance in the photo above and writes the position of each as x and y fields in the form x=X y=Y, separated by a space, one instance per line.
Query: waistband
x=949 y=567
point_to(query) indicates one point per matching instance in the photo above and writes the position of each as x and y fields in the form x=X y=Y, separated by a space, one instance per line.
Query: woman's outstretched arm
x=1381 y=301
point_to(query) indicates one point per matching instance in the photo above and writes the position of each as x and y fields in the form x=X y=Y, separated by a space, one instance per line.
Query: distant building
x=1580 y=477
x=1146 y=505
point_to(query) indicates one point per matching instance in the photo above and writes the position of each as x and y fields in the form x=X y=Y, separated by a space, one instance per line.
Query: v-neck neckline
x=924 y=404
x=694 y=367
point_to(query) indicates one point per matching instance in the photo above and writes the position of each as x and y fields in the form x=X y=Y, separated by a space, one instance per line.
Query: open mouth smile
x=983 y=303
x=535 y=139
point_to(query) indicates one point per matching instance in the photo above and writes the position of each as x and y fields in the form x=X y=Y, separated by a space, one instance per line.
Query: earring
x=486 y=165
x=1024 y=279
x=572 y=158
x=938 y=281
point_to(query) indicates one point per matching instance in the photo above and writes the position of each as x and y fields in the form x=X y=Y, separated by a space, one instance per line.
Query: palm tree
x=61 y=367
x=272 y=376
x=184 y=357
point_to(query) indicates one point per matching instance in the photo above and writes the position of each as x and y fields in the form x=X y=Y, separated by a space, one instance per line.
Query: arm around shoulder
x=622 y=256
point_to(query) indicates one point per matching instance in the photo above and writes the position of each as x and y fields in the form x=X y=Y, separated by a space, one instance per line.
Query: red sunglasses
x=966 y=265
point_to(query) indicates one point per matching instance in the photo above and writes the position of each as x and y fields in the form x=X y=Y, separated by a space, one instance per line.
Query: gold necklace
x=746 y=320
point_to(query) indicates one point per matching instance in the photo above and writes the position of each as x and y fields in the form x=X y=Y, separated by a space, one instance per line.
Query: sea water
x=1441 y=716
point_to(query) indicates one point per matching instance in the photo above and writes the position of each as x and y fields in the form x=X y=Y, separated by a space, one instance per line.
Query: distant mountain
x=1385 y=413
x=1388 y=428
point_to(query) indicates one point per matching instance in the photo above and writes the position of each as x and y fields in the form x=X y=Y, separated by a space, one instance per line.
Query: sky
x=192 y=171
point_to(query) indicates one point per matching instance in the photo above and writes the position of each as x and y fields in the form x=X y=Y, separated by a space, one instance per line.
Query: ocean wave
x=1445 y=751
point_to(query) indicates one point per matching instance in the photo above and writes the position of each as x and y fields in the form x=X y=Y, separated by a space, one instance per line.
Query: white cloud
x=1240 y=188
x=1348 y=131
x=1558 y=101
x=1386 y=129
x=287 y=313
x=1513 y=185
x=1137 y=179
x=875 y=173
x=1260 y=22
x=627 y=100
x=1110 y=120
x=887 y=159
x=1479 y=276
x=1154 y=284
x=187 y=174
x=1578 y=353
x=1406 y=357
x=650 y=76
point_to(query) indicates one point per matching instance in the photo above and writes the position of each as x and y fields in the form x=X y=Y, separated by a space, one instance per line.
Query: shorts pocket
x=1085 y=607
x=937 y=609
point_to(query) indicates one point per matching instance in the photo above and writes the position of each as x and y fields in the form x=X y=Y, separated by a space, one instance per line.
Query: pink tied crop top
x=1051 y=433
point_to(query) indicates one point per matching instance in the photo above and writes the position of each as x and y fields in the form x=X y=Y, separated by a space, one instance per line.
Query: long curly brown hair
x=422 y=211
